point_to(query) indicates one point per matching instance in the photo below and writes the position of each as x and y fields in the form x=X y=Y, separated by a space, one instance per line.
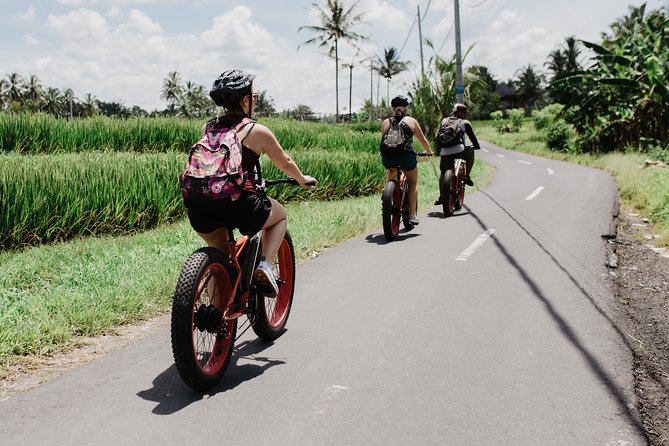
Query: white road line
x=500 y=155
x=474 y=246
x=535 y=193
x=525 y=162
x=549 y=170
x=485 y=150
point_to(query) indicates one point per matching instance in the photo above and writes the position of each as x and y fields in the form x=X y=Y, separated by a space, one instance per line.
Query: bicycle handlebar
x=287 y=180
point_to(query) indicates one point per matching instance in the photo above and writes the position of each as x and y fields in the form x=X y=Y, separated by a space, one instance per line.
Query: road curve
x=493 y=326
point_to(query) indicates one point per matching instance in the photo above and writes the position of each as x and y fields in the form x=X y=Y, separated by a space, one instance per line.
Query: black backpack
x=450 y=132
x=395 y=140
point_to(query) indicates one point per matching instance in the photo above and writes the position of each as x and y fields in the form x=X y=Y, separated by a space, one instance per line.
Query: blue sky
x=121 y=50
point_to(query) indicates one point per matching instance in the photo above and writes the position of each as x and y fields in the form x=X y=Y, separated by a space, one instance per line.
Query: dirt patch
x=31 y=371
x=641 y=278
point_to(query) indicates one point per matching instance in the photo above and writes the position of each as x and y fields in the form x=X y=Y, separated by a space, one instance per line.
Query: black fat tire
x=182 y=320
x=263 y=327
x=446 y=193
x=406 y=208
x=460 y=198
x=388 y=210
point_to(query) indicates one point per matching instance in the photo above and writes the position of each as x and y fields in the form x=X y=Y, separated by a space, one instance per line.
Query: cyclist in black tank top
x=406 y=159
x=253 y=211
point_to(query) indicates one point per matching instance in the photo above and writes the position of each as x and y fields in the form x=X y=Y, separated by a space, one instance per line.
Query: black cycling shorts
x=248 y=213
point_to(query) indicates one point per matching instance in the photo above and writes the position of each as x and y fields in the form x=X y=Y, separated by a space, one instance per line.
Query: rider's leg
x=216 y=239
x=390 y=174
x=273 y=232
x=412 y=180
x=468 y=156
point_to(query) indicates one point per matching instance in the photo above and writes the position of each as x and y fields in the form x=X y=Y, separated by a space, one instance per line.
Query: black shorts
x=248 y=213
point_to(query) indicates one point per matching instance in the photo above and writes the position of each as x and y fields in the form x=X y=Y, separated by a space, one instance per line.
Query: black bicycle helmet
x=231 y=86
x=399 y=101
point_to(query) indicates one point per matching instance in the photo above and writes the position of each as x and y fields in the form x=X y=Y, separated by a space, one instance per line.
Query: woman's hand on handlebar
x=309 y=182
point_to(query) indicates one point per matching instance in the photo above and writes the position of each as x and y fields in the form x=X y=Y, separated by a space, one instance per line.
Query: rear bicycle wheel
x=391 y=211
x=447 y=185
x=202 y=335
x=273 y=313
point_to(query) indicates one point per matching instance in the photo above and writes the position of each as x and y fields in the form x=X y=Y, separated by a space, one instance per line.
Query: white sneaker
x=264 y=278
x=414 y=220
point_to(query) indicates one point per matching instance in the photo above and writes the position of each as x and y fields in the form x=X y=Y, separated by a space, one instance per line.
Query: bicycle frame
x=243 y=259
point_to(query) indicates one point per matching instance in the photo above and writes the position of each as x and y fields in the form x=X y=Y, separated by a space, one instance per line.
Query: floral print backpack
x=214 y=168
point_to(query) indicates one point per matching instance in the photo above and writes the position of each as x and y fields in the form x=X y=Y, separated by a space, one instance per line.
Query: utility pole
x=371 y=89
x=459 y=87
x=420 y=37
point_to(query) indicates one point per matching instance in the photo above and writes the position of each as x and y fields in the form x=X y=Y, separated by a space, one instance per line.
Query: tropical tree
x=560 y=62
x=172 y=90
x=89 y=106
x=336 y=24
x=622 y=99
x=483 y=94
x=529 y=84
x=33 y=93
x=433 y=95
x=53 y=101
x=264 y=105
x=4 y=94
x=16 y=87
x=389 y=66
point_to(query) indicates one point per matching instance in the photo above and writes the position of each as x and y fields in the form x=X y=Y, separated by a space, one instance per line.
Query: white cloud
x=30 y=39
x=28 y=15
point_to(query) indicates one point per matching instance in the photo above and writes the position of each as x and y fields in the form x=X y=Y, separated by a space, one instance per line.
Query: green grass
x=50 y=295
x=644 y=190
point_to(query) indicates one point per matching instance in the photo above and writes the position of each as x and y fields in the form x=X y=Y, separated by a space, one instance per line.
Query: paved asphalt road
x=490 y=327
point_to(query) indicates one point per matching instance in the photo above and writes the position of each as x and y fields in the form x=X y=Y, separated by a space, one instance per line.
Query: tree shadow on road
x=172 y=394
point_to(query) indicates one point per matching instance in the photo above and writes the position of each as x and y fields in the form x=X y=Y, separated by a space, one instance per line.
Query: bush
x=516 y=116
x=542 y=118
x=557 y=136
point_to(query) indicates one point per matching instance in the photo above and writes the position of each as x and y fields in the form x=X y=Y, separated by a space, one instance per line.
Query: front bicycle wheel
x=273 y=313
x=202 y=335
x=447 y=187
x=391 y=211
x=460 y=194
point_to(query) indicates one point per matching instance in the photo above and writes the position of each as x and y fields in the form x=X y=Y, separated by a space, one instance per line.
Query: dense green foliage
x=622 y=98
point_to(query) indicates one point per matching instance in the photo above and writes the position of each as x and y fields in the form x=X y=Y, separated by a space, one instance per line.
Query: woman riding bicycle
x=253 y=210
x=404 y=157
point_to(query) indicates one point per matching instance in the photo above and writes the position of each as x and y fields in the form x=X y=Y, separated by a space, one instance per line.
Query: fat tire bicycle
x=395 y=204
x=213 y=291
x=453 y=187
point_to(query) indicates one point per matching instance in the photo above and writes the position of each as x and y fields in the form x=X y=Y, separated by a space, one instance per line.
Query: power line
x=407 y=39
x=427 y=8
x=473 y=6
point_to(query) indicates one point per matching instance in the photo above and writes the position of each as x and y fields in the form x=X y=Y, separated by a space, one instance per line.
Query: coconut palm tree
x=89 y=105
x=389 y=66
x=336 y=24
x=529 y=83
x=4 y=94
x=53 y=101
x=172 y=90
x=16 y=87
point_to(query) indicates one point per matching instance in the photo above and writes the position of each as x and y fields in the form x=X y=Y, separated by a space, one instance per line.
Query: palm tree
x=90 y=105
x=4 y=93
x=172 y=90
x=53 y=101
x=16 y=87
x=390 y=66
x=529 y=84
x=33 y=92
x=336 y=23
x=264 y=105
